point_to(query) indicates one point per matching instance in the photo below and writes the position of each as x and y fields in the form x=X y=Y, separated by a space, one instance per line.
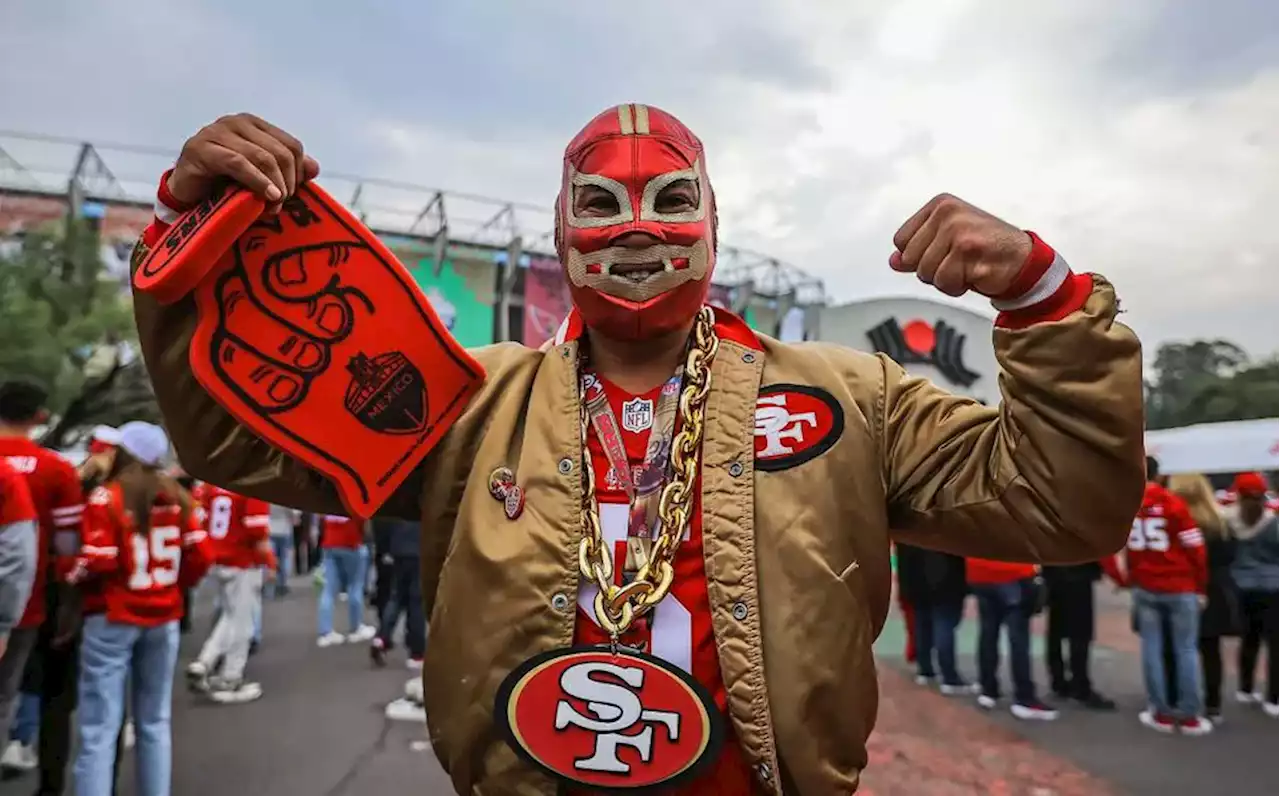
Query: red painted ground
x=926 y=745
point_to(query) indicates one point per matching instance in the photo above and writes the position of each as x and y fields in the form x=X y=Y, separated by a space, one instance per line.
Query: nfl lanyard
x=653 y=473
x=608 y=717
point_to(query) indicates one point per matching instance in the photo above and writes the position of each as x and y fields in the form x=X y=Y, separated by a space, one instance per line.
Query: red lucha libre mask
x=636 y=169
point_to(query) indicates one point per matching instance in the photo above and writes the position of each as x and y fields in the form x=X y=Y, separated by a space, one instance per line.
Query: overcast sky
x=1138 y=137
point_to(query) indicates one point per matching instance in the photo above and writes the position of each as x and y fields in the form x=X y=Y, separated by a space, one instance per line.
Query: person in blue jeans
x=135 y=640
x=346 y=568
x=934 y=584
x=283 y=519
x=1006 y=597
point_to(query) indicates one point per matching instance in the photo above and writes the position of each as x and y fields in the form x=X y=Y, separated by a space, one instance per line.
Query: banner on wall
x=546 y=300
x=467 y=317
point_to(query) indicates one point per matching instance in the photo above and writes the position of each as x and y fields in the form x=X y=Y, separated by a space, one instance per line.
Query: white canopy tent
x=1232 y=447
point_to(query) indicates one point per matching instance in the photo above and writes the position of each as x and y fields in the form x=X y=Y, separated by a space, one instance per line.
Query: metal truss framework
x=61 y=165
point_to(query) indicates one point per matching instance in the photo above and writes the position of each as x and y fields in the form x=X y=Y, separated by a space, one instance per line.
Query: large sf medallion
x=602 y=721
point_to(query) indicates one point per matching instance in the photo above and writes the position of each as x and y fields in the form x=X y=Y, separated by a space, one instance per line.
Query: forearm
x=1054 y=474
x=18 y=560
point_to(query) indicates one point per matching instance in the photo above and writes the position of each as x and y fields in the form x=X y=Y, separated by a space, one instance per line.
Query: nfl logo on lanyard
x=637 y=415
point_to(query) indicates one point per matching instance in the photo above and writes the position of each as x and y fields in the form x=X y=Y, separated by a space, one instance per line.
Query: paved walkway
x=320 y=730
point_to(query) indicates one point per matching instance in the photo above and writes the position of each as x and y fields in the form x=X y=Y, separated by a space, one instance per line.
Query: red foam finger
x=265 y=334
x=264 y=383
x=195 y=242
x=312 y=298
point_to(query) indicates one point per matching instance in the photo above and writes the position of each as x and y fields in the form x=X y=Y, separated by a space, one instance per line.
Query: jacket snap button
x=560 y=602
x=748 y=357
x=566 y=466
x=735 y=469
x=739 y=611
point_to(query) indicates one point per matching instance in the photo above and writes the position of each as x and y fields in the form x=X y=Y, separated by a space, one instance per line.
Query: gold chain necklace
x=617 y=607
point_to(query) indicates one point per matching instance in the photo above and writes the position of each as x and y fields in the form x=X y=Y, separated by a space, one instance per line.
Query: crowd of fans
x=98 y=563
x=97 y=567
x=1200 y=566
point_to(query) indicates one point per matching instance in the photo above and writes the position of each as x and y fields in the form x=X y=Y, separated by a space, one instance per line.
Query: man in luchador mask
x=655 y=550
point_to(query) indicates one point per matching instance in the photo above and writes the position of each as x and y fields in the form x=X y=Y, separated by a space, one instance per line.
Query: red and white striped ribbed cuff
x=168 y=208
x=1046 y=289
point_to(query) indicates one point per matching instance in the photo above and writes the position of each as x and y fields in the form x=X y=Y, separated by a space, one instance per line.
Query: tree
x=1209 y=381
x=66 y=325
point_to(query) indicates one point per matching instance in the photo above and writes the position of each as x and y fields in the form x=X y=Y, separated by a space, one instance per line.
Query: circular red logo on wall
x=626 y=722
x=794 y=424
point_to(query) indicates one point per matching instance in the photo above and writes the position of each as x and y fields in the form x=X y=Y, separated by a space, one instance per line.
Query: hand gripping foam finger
x=317 y=339
x=195 y=242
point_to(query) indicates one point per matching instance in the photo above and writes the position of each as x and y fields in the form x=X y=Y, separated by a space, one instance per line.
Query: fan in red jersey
x=141 y=540
x=346 y=567
x=55 y=491
x=237 y=530
x=1167 y=569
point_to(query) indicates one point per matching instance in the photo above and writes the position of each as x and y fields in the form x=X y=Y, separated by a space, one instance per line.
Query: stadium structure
x=487 y=265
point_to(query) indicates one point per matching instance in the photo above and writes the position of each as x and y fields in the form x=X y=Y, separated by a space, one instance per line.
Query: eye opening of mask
x=677 y=197
x=594 y=201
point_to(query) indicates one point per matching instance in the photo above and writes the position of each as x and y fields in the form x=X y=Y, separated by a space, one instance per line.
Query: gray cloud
x=1141 y=137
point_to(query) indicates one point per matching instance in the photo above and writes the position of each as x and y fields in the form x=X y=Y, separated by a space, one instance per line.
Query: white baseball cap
x=145 y=442
x=107 y=434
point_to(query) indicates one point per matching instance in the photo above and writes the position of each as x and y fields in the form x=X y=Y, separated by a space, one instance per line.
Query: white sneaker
x=924 y=680
x=1246 y=698
x=19 y=757
x=959 y=689
x=406 y=710
x=1034 y=711
x=197 y=677
x=225 y=693
x=362 y=634
x=986 y=702
x=331 y=639
x=1272 y=709
x=130 y=736
x=413 y=664
x=413 y=691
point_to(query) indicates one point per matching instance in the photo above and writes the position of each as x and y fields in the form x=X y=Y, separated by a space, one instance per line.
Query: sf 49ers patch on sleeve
x=795 y=423
x=624 y=722
x=317 y=339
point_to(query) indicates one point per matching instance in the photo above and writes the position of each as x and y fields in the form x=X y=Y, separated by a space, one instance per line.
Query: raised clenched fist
x=246 y=150
x=956 y=247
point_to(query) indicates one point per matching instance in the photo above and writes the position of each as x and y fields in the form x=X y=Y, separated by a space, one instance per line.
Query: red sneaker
x=1195 y=725
x=1160 y=722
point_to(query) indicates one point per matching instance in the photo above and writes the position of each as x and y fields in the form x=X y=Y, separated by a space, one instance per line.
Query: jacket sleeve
x=1054 y=474
x=17 y=569
x=67 y=515
x=18 y=542
x=197 y=552
x=1191 y=540
x=257 y=519
x=100 y=550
